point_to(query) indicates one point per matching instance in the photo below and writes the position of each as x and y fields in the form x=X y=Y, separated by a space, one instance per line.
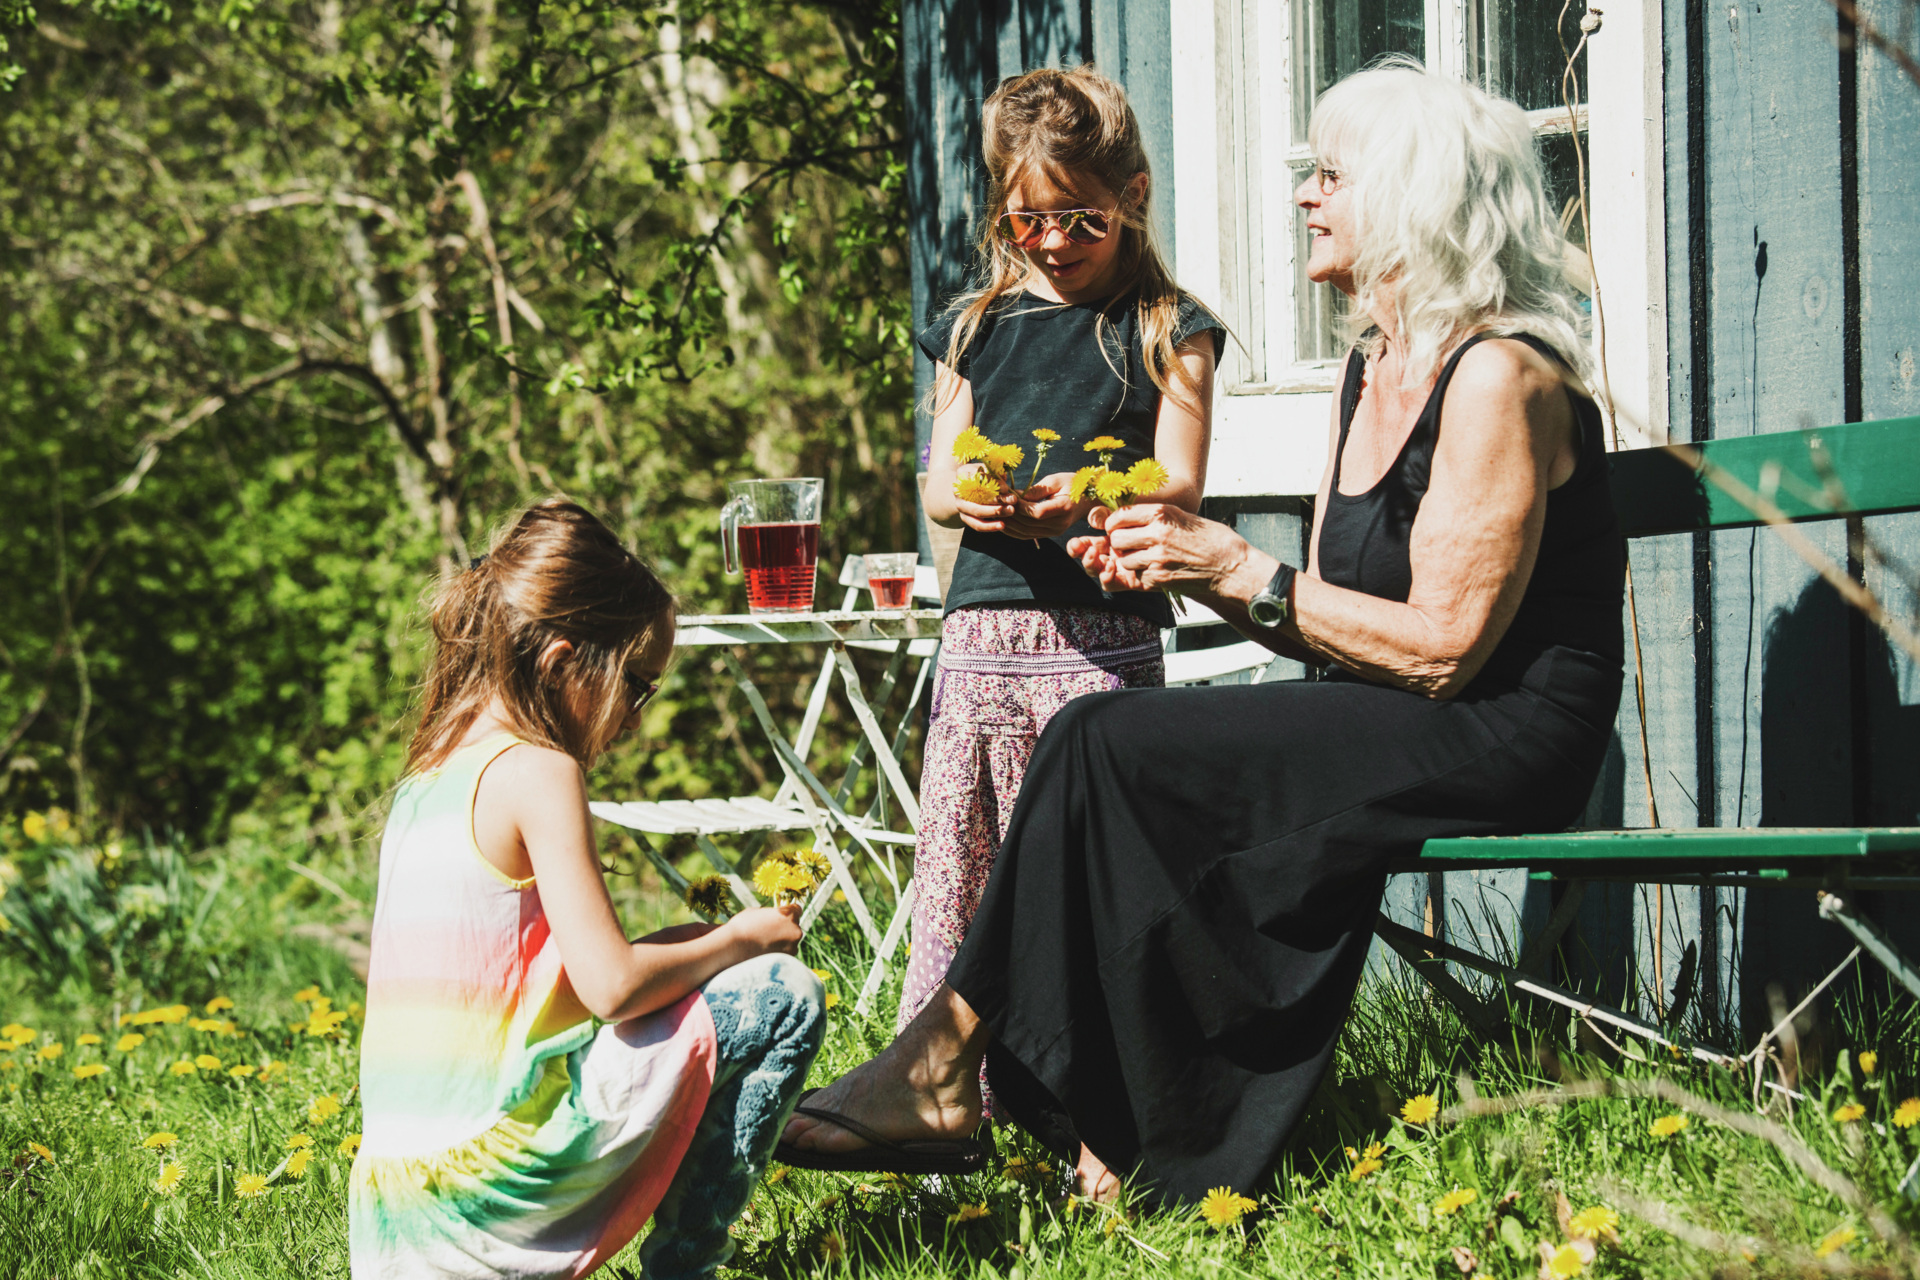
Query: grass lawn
x=1539 y=1162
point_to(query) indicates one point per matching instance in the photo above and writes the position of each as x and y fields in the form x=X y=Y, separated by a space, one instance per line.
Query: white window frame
x=1234 y=232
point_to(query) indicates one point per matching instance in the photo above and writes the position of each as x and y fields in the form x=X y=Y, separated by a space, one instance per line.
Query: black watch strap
x=1272 y=605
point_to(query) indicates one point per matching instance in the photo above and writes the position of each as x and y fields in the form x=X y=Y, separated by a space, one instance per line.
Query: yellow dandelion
x=48 y=1052
x=966 y=1213
x=274 y=1066
x=183 y=1068
x=88 y=1071
x=297 y=1163
x=129 y=1042
x=1868 y=1060
x=325 y=1024
x=1363 y=1169
x=1849 y=1113
x=1111 y=488
x=1834 y=1241
x=832 y=1000
x=1082 y=479
x=1420 y=1109
x=708 y=895
x=206 y=1024
x=831 y=1247
x=323 y=1108
x=1595 y=1222
x=1002 y=458
x=160 y=1141
x=249 y=1185
x=88 y=1038
x=1104 y=444
x=299 y=1141
x=307 y=995
x=976 y=489
x=171 y=1015
x=351 y=1144
x=207 y=1062
x=45 y=1153
x=1455 y=1200
x=1021 y=1169
x=1667 y=1126
x=815 y=862
x=1565 y=1263
x=1907 y=1114
x=1374 y=1150
x=320 y=1007
x=172 y=1174
x=242 y=1070
x=1223 y=1206
x=216 y=1004
x=825 y=975
x=970 y=445
x=17 y=1031
x=1045 y=436
x=1147 y=476
x=34 y=827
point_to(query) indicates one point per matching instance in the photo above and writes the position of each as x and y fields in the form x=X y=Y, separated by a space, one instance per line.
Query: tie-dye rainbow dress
x=506 y=1133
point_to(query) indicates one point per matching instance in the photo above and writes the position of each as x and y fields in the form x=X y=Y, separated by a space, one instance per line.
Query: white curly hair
x=1450 y=211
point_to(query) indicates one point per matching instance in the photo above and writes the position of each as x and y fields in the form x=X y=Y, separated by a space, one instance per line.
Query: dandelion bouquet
x=789 y=877
x=1115 y=489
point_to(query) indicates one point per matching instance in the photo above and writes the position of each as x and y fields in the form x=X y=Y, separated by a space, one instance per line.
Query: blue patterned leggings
x=769 y=1015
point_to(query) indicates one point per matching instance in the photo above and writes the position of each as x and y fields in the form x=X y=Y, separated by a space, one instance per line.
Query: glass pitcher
x=770 y=529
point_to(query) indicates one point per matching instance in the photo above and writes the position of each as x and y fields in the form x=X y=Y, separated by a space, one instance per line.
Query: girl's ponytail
x=555 y=573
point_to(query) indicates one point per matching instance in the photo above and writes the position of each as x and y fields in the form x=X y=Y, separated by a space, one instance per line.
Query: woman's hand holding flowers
x=1156 y=546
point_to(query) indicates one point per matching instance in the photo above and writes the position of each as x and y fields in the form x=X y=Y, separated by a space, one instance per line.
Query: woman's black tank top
x=1573 y=598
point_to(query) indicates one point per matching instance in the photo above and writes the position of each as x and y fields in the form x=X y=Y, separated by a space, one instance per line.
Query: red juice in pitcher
x=779 y=563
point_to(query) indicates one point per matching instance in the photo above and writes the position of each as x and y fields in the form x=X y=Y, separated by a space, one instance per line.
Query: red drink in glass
x=779 y=563
x=891 y=593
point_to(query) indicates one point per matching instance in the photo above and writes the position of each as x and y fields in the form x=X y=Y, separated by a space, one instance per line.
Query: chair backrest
x=1856 y=468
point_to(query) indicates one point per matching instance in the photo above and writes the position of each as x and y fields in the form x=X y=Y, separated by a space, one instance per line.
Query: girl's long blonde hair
x=1451 y=213
x=1068 y=127
x=555 y=572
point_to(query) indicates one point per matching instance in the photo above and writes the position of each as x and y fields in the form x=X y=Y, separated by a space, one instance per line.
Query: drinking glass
x=770 y=529
x=890 y=578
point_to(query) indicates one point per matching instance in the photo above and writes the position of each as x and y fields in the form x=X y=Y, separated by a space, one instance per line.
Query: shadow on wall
x=1807 y=708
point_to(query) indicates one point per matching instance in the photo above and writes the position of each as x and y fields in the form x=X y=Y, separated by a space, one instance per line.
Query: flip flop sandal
x=885 y=1155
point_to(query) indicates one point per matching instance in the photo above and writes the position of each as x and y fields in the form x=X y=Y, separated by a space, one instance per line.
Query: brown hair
x=554 y=573
x=1069 y=126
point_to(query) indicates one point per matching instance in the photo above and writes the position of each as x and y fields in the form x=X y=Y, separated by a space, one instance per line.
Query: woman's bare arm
x=1506 y=437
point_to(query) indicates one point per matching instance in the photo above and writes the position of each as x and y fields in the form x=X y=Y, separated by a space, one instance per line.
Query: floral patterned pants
x=1003 y=674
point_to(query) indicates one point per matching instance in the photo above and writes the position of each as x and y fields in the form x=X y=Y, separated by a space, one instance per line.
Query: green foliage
x=300 y=302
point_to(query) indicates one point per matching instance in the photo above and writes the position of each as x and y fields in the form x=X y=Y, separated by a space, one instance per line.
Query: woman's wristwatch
x=1272 y=605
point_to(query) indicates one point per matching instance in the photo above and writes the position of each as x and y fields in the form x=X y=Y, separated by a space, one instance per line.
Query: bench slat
x=1876 y=463
x=1667 y=844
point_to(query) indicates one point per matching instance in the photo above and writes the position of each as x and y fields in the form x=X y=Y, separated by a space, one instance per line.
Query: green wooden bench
x=1858 y=469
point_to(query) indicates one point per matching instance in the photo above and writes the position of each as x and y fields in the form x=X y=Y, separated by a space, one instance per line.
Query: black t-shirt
x=1032 y=364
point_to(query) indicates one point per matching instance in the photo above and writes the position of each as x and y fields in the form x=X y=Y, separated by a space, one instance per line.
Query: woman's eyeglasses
x=1026 y=228
x=1328 y=179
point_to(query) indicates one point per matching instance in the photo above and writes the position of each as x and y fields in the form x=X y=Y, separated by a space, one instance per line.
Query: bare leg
x=1094 y=1180
x=926 y=1084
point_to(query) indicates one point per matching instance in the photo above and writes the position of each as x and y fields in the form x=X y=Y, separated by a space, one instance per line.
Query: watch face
x=1267 y=610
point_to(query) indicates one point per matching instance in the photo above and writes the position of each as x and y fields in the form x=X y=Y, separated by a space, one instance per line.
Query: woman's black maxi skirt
x=1178 y=918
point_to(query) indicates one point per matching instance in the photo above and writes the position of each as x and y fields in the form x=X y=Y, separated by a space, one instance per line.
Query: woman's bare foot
x=926 y=1084
x=1093 y=1180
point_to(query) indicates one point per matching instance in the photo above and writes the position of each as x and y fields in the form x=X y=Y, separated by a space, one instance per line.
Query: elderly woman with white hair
x=1180 y=912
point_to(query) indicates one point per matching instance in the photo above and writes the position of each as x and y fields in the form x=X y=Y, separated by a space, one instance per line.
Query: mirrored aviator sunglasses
x=1026 y=228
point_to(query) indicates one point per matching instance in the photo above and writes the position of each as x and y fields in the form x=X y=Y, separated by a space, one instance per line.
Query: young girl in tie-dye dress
x=536 y=1086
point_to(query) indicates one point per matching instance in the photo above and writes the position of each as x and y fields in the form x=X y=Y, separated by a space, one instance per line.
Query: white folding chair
x=1200 y=666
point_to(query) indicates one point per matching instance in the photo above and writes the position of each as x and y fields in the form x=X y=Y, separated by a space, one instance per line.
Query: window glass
x=1335 y=38
x=1515 y=51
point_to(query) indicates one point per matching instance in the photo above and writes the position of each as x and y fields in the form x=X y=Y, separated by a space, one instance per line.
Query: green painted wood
x=1667 y=844
x=1876 y=466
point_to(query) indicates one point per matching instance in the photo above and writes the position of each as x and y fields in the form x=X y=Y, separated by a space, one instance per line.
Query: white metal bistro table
x=804 y=802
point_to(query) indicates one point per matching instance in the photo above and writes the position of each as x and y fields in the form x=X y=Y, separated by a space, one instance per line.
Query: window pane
x=1514 y=50
x=1316 y=307
x=1334 y=38
x=1563 y=181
